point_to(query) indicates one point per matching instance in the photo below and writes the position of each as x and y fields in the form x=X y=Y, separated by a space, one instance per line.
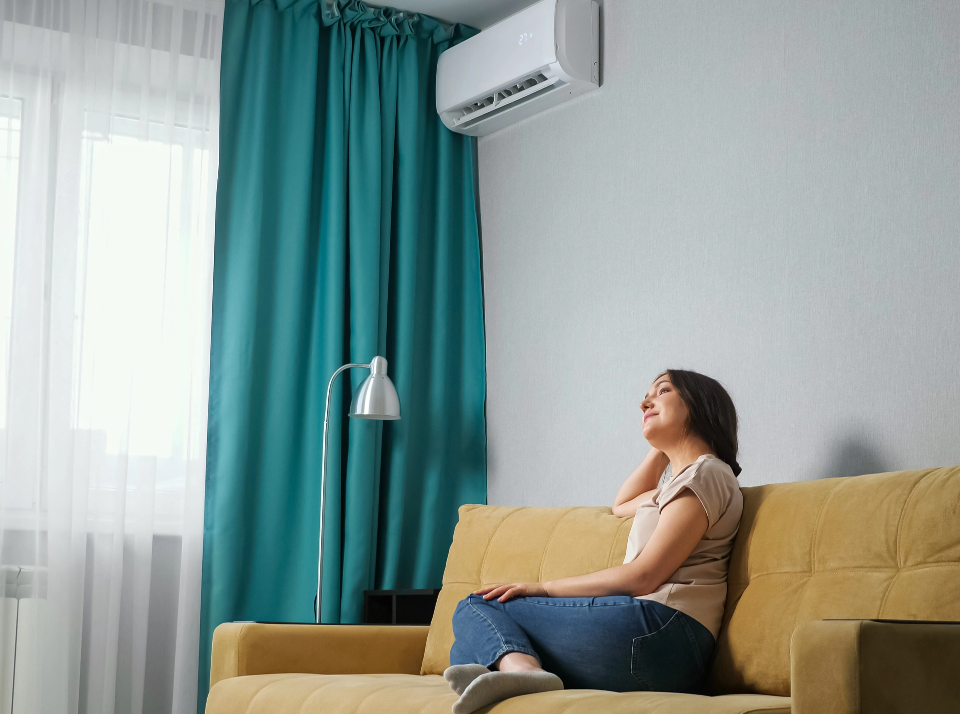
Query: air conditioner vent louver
x=533 y=81
x=506 y=95
x=485 y=102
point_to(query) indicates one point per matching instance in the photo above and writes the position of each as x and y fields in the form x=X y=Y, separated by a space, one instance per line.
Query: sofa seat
x=430 y=694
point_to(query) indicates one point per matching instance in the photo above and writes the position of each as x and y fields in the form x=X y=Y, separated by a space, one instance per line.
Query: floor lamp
x=376 y=399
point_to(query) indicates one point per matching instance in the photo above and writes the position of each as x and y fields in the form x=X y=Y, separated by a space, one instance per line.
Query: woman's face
x=665 y=415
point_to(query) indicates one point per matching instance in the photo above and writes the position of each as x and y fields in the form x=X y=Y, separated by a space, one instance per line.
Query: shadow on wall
x=853 y=456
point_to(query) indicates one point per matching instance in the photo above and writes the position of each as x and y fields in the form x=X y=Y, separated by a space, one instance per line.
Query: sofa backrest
x=879 y=546
x=886 y=545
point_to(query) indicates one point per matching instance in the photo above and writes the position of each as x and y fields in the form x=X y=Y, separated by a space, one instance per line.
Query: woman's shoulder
x=713 y=482
x=711 y=470
x=715 y=466
x=707 y=465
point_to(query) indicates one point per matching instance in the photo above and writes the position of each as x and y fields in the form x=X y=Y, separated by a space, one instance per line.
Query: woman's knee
x=470 y=599
x=464 y=604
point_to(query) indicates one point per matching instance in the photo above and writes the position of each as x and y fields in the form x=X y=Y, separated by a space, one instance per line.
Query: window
x=106 y=225
x=140 y=257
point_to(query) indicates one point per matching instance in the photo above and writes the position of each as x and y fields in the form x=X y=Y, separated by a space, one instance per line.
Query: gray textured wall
x=767 y=192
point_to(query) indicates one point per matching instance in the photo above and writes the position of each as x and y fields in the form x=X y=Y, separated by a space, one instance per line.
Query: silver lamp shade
x=377 y=397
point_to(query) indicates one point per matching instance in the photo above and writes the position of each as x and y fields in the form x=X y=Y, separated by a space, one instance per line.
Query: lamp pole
x=375 y=399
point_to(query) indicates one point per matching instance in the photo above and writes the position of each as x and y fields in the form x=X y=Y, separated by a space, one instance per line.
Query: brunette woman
x=650 y=623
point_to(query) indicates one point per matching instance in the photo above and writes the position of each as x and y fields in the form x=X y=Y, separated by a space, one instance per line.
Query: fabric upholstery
x=242 y=648
x=824 y=667
x=842 y=666
x=877 y=546
x=396 y=693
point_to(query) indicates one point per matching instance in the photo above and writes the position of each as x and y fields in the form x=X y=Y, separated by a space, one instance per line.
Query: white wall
x=767 y=192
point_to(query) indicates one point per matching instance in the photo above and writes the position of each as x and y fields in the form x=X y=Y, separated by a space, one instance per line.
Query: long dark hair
x=712 y=415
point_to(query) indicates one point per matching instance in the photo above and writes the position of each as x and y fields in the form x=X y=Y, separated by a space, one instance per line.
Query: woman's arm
x=682 y=524
x=638 y=485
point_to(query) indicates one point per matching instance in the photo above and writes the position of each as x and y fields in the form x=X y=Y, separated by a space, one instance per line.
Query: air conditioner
x=531 y=61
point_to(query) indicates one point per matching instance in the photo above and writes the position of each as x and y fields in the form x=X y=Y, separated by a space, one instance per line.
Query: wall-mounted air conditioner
x=531 y=61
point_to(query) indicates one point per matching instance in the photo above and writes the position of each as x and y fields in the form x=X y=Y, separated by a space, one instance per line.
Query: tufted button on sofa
x=843 y=596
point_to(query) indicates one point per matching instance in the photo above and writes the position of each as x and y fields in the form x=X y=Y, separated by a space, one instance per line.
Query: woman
x=649 y=624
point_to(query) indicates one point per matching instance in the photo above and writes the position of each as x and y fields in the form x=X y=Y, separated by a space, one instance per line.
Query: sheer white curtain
x=108 y=165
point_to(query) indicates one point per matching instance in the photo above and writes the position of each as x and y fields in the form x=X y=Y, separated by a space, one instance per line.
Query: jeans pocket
x=669 y=659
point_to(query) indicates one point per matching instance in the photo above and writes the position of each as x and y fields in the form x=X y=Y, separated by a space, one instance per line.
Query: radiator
x=19 y=654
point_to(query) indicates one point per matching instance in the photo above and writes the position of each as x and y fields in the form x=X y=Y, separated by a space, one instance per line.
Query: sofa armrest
x=872 y=666
x=241 y=648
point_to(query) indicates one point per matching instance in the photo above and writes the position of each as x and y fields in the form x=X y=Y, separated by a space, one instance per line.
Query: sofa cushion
x=498 y=544
x=430 y=694
x=877 y=546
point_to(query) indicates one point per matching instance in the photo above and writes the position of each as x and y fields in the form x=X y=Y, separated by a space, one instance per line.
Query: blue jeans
x=617 y=643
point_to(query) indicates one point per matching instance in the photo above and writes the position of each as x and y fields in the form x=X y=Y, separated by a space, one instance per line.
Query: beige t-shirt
x=699 y=587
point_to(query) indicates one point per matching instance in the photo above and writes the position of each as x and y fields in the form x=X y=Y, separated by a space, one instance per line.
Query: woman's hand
x=512 y=590
x=641 y=484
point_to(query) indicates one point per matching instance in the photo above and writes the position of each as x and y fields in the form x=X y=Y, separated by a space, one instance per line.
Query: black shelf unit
x=399 y=607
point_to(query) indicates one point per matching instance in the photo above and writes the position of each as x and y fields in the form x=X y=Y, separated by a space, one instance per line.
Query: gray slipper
x=496 y=686
x=459 y=676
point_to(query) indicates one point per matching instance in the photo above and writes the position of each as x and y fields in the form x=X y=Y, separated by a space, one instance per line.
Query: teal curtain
x=346 y=227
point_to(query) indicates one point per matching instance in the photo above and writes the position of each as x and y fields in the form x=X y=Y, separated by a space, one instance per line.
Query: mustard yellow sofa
x=815 y=565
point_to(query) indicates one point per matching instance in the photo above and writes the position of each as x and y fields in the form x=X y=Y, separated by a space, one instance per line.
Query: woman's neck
x=686 y=452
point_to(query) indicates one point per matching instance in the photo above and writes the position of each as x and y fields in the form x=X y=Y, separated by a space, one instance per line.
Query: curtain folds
x=108 y=166
x=346 y=228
